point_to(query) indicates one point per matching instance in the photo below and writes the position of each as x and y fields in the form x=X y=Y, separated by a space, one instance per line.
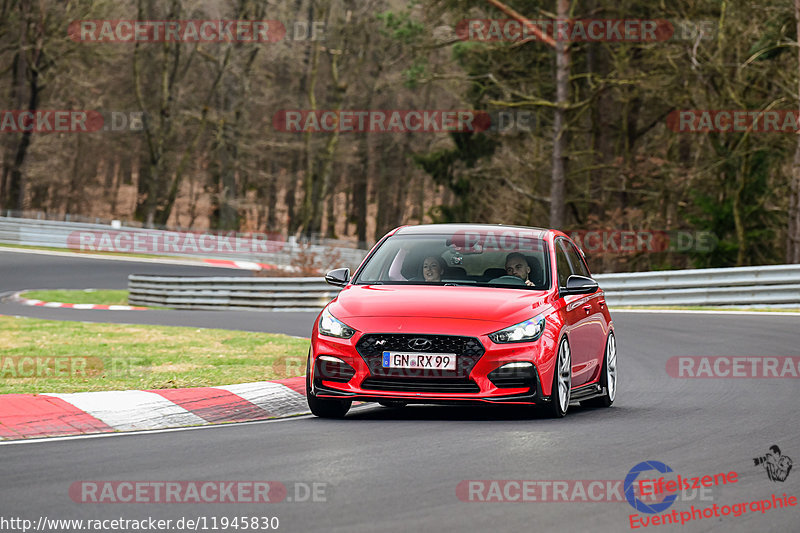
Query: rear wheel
x=562 y=382
x=608 y=377
x=321 y=407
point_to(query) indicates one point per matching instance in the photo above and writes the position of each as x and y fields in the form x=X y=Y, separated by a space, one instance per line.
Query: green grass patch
x=86 y=296
x=38 y=356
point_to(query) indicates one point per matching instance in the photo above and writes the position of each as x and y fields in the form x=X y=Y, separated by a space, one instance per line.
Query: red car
x=457 y=313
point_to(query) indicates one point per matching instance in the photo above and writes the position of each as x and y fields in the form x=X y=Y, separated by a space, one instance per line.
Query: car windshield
x=509 y=259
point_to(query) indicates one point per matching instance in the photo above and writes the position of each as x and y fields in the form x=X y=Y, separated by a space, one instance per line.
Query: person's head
x=432 y=268
x=517 y=265
x=774 y=450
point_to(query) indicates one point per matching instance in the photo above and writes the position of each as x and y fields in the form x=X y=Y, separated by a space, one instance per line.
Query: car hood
x=470 y=303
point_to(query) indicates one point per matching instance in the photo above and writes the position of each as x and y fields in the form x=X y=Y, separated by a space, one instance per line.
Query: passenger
x=433 y=268
x=517 y=265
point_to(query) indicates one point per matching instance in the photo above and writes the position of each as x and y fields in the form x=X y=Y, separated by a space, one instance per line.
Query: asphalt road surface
x=398 y=469
x=22 y=271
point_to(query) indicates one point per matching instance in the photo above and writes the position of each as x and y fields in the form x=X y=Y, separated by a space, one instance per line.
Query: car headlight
x=333 y=327
x=527 y=331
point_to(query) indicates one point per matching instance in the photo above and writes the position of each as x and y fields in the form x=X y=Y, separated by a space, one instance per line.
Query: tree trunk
x=310 y=179
x=272 y=195
x=360 y=190
x=558 y=184
x=738 y=222
x=75 y=178
x=793 y=230
x=330 y=217
x=290 y=199
x=25 y=68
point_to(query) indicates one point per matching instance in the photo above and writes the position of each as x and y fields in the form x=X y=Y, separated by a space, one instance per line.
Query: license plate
x=439 y=361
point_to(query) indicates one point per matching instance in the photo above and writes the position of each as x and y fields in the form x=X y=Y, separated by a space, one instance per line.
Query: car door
x=573 y=317
x=592 y=323
x=577 y=312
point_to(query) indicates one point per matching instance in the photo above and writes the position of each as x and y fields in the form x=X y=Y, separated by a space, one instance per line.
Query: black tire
x=320 y=407
x=395 y=404
x=554 y=409
x=610 y=394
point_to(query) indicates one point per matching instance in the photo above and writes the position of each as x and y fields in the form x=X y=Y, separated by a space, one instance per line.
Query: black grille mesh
x=433 y=385
x=468 y=351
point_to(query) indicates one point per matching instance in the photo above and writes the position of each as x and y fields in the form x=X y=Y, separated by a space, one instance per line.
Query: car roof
x=439 y=229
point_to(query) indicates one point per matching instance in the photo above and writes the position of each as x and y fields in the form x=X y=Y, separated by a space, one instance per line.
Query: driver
x=432 y=268
x=517 y=265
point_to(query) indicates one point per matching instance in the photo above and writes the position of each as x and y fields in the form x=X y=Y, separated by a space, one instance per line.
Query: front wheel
x=562 y=382
x=608 y=377
x=320 y=407
x=328 y=408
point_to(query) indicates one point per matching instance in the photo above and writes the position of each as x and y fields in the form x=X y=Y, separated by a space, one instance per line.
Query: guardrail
x=284 y=294
x=70 y=235
x=748 y=286
x=775 y=285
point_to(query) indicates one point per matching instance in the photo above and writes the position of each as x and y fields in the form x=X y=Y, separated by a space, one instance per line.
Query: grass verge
x=86 y=296
x=38 y=356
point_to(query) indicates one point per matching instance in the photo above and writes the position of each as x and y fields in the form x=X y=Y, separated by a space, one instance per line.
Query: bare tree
x=793 y=233
x=558 y=180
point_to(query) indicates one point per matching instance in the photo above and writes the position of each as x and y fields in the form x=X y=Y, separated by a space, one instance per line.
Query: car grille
x=434 y=385
x=372 y=345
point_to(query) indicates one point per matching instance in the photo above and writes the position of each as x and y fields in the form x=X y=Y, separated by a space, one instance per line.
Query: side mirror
x=339 y=277
x=579 y=285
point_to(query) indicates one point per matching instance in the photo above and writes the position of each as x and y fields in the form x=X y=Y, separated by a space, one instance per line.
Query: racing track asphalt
x=20 y=271
x=397 y=469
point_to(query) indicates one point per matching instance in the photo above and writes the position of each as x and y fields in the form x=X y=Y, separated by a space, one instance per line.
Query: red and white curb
x=18 y=298
x=242 y=265
x=249 y=265
x=54 y=415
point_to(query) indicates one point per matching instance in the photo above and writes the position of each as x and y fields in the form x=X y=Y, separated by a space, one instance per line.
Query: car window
x=562 y=265
x=476 y=259
x=575 y=259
